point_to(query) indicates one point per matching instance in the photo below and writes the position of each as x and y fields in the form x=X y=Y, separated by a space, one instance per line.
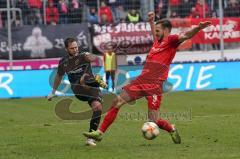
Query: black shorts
x=88 y=93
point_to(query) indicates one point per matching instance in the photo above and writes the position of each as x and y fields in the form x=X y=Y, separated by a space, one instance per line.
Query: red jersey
x=160 y=57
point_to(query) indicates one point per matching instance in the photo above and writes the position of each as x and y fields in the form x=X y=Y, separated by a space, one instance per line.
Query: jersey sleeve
x=174 y=40
x=60 y=69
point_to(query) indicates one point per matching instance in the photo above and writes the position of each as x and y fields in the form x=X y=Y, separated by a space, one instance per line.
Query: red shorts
x=142 y=87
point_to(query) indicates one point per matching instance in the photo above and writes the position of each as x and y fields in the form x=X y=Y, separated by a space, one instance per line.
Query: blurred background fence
x=120 y=23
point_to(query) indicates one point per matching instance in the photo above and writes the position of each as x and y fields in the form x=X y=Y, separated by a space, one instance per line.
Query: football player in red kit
x=149 y=83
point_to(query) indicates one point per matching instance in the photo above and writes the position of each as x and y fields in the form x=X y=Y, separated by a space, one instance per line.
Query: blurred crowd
x=111 y=11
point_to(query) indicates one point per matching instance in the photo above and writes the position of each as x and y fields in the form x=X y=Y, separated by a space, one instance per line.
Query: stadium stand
x=72 y=11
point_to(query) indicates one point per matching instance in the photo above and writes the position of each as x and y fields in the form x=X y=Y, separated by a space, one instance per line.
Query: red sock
x=165 y=125
x=109 y=118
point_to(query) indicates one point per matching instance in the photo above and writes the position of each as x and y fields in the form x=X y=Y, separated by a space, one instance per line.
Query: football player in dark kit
x=85 y=86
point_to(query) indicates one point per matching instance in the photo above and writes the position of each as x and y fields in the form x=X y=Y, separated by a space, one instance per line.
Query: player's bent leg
x=153 y=108
x=110 y=116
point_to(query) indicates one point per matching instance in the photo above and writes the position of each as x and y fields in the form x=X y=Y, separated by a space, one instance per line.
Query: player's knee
x=117 y=102
x=96 y=106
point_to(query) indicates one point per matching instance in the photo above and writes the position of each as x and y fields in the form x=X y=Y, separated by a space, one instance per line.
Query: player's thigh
x=81 y=98
x=89 y=94
x=122 y=99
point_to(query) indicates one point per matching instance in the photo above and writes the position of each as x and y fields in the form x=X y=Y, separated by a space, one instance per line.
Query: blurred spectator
x=1 y=24
x=35 y=4
x=3 y=4
x=200 y=10
x=174 y=6
x=92 y=16
x=185 y=8
x=22 y=4
x=35 y=16
x=105 y=14
x=52 y=14
x=91 y=3
x=63 y=11
x=110 y=65
x=161 y=9
x=120 y=14
x=133 y=16
x=146 y=6
x=214 y=4
x=193 y=13
x=174 y=14
x=74 y=15
x=233 y=9
x=104 y=20
x=131 y=4
x=113 y=5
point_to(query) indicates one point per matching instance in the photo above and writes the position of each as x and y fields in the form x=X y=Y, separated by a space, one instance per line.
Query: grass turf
x=208 y=122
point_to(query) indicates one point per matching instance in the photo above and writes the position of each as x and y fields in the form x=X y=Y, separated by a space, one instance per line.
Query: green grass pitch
x=208 y=122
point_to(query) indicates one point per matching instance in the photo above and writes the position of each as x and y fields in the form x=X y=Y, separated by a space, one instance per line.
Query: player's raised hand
x=205 y=24
x=151 y=16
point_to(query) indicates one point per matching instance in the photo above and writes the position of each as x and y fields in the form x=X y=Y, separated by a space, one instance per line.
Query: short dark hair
x=165 y=23
x=68 y=41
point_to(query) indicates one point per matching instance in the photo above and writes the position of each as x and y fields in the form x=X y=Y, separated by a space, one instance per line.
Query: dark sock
x=95 y=120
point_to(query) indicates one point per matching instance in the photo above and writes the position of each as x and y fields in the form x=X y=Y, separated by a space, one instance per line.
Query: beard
x=160 y=37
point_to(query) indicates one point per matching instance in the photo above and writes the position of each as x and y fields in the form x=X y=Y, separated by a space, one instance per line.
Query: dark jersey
x=75 y=67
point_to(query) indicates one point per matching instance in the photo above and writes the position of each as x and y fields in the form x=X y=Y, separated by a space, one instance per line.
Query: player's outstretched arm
x=151 y=16
x=56 y=83
x=189 y=34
